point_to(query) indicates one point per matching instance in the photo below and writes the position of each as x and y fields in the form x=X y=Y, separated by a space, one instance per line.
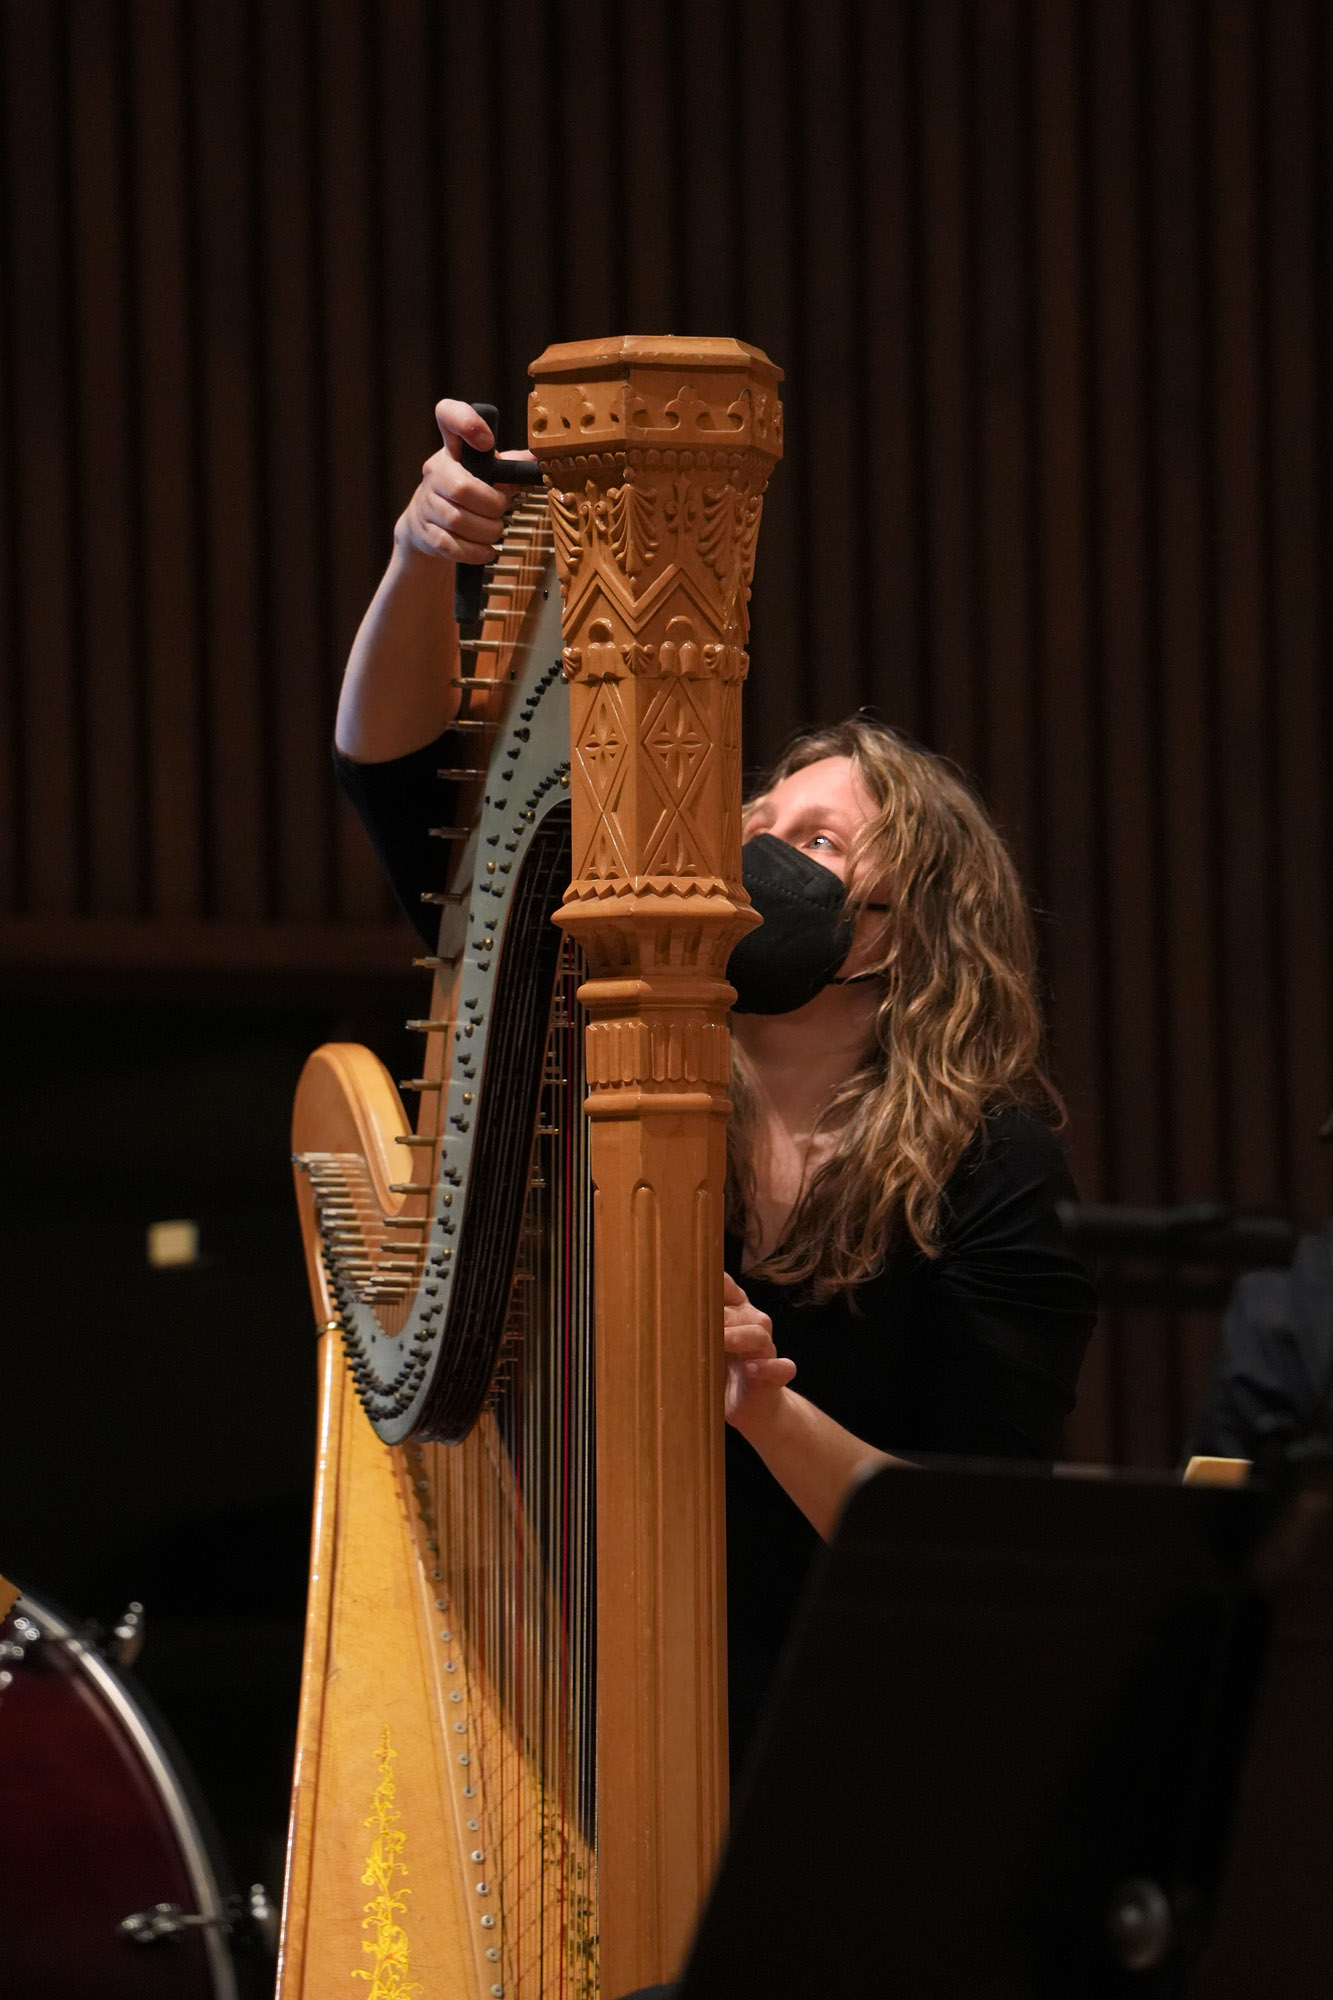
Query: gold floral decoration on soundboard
x=388 y=1942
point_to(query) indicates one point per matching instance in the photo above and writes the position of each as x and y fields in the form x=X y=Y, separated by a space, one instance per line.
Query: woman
x=895 y=1179
x=894 y=1246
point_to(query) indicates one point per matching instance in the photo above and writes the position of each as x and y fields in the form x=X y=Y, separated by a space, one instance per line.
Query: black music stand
x=1044 y=1739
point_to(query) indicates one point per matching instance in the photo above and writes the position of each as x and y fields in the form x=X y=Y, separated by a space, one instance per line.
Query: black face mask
x=804 y=938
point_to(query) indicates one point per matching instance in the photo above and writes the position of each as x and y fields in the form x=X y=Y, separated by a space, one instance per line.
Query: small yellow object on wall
x=1217 y=1472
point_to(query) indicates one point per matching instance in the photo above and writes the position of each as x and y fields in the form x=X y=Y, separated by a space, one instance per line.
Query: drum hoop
x=198 y=1863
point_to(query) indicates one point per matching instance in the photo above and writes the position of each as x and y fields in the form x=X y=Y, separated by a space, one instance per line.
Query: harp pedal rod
x=411 y=1187
x=449 y=832
x=427 y=1027
x=444 y=895
x=420 y=1083
x=458 y=777
x=434 y=961
x=415 y=1138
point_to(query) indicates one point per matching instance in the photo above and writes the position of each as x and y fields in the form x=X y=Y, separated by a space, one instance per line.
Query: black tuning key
x=469 y=578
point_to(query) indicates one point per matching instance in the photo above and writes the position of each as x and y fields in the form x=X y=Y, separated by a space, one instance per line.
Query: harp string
x=514 y=1508
x=510 y=1529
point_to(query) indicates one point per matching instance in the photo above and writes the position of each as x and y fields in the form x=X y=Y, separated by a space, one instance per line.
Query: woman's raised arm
x=398 y=690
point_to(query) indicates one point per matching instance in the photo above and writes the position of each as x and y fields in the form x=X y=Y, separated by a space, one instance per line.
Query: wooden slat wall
x=1051 y=282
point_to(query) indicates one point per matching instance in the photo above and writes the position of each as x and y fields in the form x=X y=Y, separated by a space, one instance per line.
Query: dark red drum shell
x=94 y=1826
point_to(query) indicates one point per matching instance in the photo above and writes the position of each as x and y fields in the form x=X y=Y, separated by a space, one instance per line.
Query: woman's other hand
x=756 y=1373
x=453 y=513
x=812 y=1458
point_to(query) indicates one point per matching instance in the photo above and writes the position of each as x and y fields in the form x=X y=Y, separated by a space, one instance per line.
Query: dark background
x=1053 y=287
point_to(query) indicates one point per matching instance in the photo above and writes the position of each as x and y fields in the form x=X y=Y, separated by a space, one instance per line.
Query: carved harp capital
x=657 y=453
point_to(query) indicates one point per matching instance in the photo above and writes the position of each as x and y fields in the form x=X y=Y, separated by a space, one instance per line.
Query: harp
x=510 y=1774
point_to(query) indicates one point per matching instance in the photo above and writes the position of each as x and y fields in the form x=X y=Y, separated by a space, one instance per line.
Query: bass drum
x=108 y=1887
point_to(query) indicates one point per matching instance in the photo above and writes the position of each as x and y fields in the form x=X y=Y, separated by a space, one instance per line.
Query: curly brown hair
x=957 y=1033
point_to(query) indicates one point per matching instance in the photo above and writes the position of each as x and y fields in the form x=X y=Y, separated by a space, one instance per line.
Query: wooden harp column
x=657 y=452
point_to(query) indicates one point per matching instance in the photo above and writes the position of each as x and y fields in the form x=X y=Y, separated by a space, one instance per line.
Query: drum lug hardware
x=167 y=1922
x=264 y=1917
x=255 y=1916
x=127 y=1635
x=14 y=1649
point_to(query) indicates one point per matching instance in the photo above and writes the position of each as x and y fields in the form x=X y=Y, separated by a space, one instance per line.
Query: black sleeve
x=1273 y=1379
x=398 y=802
x=1014 y=1303
x=1258 y=1380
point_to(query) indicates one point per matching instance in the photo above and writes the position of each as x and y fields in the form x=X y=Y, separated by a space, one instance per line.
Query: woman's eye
x=820 y=840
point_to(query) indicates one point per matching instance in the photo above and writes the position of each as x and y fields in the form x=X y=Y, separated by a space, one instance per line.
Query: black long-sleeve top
x=974 y=1352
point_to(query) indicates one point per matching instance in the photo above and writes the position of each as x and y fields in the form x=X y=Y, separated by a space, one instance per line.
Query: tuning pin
x=127 y=1637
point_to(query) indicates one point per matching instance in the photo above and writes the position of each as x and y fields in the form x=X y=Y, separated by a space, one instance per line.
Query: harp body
x=511 y=1753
